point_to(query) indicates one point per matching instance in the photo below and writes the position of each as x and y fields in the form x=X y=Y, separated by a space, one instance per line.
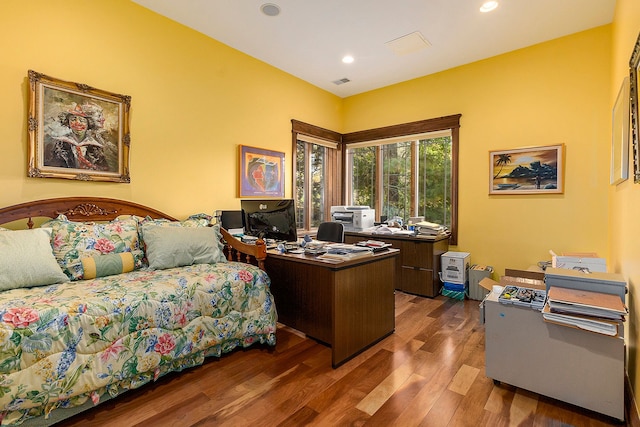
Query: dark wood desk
x=418 y=265
x=348 y=305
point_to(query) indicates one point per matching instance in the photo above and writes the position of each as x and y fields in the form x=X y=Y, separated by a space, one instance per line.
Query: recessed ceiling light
x=270 y=9
x=488 y=6
x=347 y=59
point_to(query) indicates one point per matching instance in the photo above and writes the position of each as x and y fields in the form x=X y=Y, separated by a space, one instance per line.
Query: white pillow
x=26 y=259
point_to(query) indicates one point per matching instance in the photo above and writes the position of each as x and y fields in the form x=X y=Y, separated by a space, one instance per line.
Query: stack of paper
x=601 y=326
x=592 y=311
x=383 y=229
x=430 y=228
x=374 y=245
x=344 y=252
x=577 y=301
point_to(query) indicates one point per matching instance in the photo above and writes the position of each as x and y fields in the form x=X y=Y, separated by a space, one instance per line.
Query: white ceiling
x=309 y=37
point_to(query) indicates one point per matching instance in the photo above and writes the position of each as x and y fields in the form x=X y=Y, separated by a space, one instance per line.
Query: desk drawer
x=417 y=281
x=417 y=254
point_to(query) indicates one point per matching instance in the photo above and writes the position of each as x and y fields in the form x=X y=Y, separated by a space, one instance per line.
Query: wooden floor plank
x=523 y=408
x=443 y=410
x=463 y=379
x=393 y=407
x=430 y=372
x=383 y=391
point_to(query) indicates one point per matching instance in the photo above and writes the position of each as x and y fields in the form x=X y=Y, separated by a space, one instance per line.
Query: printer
x=353 y=218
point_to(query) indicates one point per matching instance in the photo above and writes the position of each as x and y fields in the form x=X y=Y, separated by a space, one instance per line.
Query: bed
x=69 y=345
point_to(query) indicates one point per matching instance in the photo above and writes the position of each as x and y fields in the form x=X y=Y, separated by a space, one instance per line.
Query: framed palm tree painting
x=531 y=170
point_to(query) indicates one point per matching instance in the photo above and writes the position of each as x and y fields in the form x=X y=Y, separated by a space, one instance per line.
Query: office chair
x=330 y=232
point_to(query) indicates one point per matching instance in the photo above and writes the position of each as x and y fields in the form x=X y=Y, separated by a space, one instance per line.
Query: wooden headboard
x=105 y=209
x=77 y=209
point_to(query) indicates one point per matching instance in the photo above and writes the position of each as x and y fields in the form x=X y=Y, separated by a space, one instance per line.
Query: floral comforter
x=63 y=344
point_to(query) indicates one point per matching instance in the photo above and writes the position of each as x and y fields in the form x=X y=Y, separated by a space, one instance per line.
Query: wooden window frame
x=333 y=172
x=451 y=123
x=336 y=187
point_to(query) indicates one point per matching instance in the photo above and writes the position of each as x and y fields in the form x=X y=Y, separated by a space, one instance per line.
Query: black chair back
x=331 y=232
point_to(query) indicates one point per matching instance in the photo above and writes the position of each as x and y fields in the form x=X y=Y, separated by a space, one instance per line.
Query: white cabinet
x=578 y=367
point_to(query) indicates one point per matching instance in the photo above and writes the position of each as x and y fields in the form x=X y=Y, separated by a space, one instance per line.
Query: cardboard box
x=588 y=262
x=534 y=280
x=455 y=267
x=608 y=283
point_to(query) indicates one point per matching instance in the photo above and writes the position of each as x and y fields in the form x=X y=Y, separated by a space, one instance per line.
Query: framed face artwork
x=77 y=131
x=532 y=170
x=261 y=172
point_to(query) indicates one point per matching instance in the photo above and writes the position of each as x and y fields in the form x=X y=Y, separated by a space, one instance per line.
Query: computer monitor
x=271 y=219
x=231 y=219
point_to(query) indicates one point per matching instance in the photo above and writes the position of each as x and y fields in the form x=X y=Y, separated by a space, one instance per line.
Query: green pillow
x=27 y=259
x=168 y=247
x=107 y=265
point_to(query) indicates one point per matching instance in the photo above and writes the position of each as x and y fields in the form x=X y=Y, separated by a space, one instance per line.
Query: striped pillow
x=107 y=265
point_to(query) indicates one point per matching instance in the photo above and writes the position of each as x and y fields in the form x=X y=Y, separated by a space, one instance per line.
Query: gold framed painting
x=532 y=170
x=620 y=136
x=634 y=73
x=261 y=172
x=77 y=131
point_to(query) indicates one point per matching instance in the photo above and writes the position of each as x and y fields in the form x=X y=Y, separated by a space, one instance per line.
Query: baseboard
x=633 y=418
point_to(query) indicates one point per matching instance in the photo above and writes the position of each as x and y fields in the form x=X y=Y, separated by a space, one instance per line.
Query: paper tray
x=608 y=283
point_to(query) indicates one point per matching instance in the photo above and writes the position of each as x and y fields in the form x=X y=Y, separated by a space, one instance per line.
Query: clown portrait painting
x=77 y=133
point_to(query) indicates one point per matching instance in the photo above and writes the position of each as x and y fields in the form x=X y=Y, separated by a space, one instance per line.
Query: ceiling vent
x=341 y=81
x=410 y=43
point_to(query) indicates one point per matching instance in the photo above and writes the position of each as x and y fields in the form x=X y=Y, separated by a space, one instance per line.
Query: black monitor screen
x=270 y=219
x=231 y=219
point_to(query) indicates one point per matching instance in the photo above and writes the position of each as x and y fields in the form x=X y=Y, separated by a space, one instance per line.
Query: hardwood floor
x=430 y=372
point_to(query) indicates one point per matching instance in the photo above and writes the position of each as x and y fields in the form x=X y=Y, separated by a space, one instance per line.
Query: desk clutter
x=422 y=228
x=332 y=252
x=525 y=297
x=591 y=311
x=592 y=302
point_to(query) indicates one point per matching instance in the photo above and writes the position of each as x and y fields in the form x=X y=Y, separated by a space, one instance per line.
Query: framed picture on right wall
x=620 y=136
x=531 y=170
x=634 y=65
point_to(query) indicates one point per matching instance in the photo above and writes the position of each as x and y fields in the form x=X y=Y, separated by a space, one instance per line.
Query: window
x=406 y=170
x=317 y=174
x=362 y=162
x=434 y=180
x=403 y=170
x=311 y=161
x=430 y=156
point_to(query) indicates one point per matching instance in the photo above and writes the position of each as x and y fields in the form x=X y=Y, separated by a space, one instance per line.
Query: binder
x=586 y=303
x=587 y=323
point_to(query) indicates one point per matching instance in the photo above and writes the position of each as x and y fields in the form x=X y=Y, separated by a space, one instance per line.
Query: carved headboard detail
x=87 y=209
x=77 y=209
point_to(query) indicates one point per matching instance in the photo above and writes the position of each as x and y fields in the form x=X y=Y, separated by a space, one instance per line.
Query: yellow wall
x=551 y=93
x=194 y=100
x=624 y=199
